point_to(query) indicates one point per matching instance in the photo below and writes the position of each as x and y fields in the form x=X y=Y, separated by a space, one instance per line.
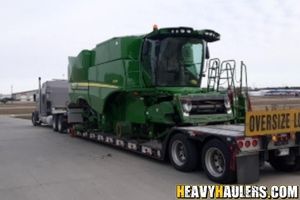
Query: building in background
x=24 y=96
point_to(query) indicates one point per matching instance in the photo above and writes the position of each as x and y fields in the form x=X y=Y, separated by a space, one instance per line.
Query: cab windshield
x=173 y=61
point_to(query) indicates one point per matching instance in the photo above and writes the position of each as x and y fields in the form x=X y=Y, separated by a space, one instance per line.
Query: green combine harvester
x=147 y=94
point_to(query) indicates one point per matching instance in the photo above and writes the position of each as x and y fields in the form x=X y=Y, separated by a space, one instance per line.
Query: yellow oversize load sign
x=272 y=122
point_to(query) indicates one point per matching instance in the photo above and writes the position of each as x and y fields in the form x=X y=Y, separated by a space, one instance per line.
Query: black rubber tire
x=61 y=125
x=282 y=163
x=228 y=176
x=191 y=153
x=34 y=119
x=54 y=123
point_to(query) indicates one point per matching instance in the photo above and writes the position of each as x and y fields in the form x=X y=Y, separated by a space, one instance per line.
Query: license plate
x=284 y=152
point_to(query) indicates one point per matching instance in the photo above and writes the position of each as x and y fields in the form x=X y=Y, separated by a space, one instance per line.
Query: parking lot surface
x=37 y=163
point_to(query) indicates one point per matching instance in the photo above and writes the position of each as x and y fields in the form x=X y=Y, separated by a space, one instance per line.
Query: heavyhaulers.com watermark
x=236 y=191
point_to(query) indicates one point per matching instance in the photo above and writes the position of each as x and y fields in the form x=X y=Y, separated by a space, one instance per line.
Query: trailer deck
x=237 y=130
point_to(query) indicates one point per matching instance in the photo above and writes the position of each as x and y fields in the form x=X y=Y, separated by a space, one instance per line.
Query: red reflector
x=254 y=143
x=247 y=143
x=240 y=144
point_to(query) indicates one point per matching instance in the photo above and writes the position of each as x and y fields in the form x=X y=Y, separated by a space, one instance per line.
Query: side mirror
x=34 y=97
x=207 y=55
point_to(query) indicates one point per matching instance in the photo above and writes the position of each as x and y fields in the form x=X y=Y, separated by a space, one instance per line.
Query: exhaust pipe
x=40 y=96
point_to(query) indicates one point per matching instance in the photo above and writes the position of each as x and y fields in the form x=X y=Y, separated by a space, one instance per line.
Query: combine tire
x=183 y=153
x=216 y=162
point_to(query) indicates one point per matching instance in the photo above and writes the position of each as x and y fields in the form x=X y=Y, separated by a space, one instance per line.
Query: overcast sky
x=37 y=36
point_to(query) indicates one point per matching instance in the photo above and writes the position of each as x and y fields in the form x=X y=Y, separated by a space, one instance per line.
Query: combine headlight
x=187 y=106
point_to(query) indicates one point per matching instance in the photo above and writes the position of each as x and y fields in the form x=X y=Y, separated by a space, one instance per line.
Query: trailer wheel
x=54 y=123
x=61 y=126
x=216 y=162
x=183 y=153
x=34 y=119
x=284 y=163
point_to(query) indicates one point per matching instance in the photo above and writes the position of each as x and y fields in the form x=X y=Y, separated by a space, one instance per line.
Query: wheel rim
x=178 y=153
x=215 y=162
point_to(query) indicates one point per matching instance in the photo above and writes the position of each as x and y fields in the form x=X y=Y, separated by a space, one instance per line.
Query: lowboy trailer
x=225 y=153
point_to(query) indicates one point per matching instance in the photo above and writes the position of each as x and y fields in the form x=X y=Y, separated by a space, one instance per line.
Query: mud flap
x=247 y=169
x=75 y=115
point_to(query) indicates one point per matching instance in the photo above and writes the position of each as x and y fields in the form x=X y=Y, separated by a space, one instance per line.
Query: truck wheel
x=61 y=124
x=284 y=163
x=54 y=123
x=183 y=153
x=216 y=162
x=34 y=118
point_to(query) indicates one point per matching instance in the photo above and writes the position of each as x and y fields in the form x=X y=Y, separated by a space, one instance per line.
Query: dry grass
x=275 y=102
x=17 y=108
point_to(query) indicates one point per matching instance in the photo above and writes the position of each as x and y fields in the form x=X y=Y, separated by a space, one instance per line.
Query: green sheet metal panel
x=78 y=66
x=112 y=73
x=118 y=48
x=134 y=109
x=133 y=74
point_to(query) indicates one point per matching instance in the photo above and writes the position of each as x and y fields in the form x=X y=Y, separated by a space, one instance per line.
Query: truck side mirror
x=34 y=97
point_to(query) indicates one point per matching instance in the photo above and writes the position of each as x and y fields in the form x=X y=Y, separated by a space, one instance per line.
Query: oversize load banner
x=272 y=122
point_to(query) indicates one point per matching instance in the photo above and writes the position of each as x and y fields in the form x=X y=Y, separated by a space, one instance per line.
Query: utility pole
x=11 y=93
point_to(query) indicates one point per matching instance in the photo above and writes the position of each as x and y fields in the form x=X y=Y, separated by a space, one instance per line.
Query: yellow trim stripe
x=86 y=84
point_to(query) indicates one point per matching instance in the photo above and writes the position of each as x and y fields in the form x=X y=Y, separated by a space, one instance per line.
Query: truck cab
x=51 y=103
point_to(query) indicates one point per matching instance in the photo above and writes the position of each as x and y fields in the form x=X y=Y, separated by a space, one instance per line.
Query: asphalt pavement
x=37 y=163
